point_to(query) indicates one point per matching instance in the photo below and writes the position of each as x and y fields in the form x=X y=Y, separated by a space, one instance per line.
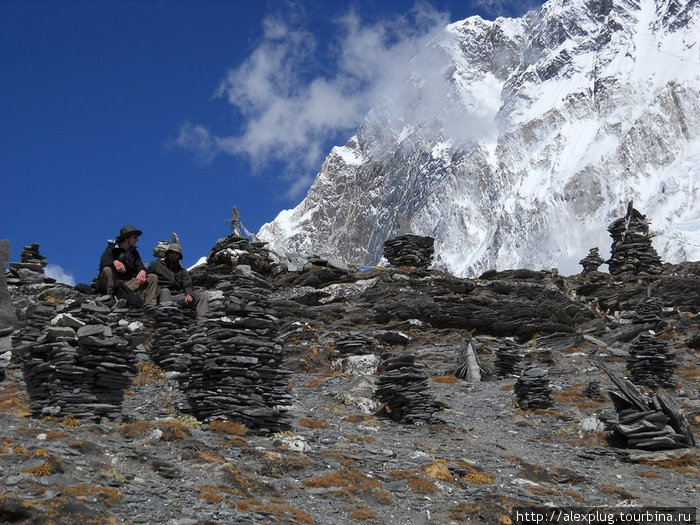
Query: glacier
x=515 y=142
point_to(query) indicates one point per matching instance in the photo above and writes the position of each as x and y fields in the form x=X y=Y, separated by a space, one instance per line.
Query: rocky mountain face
x=515 y=139
x=317 y=392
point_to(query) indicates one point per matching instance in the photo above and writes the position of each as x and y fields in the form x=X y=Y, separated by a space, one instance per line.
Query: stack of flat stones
x=230 y=252
x=592 y=390
x=410 y=250
x=592 y=261
x=31 y=269
x=173 y=325
x=532 y=389
x=353 y=344
x=631 y=249
x=508 y=357
x=402 y=391
x=79 y=366
x=648 y=311
x=233 y=359
x=650 y=362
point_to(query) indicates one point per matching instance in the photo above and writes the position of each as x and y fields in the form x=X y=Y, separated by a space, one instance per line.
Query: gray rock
x=7 y=311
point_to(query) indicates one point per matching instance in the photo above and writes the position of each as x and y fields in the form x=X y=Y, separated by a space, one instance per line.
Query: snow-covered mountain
x=517 y=141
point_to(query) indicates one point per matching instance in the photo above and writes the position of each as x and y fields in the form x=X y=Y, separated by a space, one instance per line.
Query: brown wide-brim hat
x=126 y=231
x=174 y=247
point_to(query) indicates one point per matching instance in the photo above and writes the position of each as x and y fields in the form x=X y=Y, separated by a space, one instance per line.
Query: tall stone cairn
x=631 y=248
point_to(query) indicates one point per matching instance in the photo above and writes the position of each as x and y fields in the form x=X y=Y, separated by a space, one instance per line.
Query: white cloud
x=57 y=272
x=294 y=106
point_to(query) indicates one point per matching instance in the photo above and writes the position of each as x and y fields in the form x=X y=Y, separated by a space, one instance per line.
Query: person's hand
x=119 y=266
x=141 y=277
x=189 y=298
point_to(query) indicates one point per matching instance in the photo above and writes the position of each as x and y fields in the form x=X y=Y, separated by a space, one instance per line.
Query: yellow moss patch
x=228 y=427
x=691 y=372
x=350 y=479
x=41 y=453
x=211 y=457
x=445 y=379
x=620 y=491
x=55 y=434
x=439 y=470
x=210 y=493
x=683 y=461
x=174 y=430
x=654 y=475
x=133 y=429
x=577 y=496
x=236 y=442
x=52 y=465
x=588 y=405
x=70 y=421
x=422 y=486
x=339 y=457
x=464 y=512
x=14 y=399
x=150 y=373
x=400 y=474
x=543 y=491
x=363 y=514
x=312 y=423
x=105 y=495
x=281 y=512
x=567 y=396
x=507 y=387
x=687 y=470
x=362 y=439
x=479 y=477
x=315 y=383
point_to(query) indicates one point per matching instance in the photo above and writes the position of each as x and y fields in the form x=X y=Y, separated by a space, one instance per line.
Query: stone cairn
x=508 y=357
x=631 y=248
x=410 y=250
x=353 y=344
x=648 y=311
x=592 y=390
x=77 y=358
x=31 y=269
x=650 y=362
x=647 y=422
x=402 y=391
x=231 y=363
x=532 y=389
x=592 y=261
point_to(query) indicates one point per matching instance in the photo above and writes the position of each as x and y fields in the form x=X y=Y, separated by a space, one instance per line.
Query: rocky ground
x=338 y=455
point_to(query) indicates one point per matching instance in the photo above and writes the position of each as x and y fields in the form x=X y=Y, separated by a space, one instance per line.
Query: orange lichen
x=577 y=496
x=150 y=373
x=363 y=514
x=70 y=421
x=620 y=491
x=105 y=495
x=312 y=423
x=134 y=429
x=439 y=470
x=211 y=457
x=422 y=486
x=479 y=477
x=228 y=427
x=445 y=379
x=173 y=430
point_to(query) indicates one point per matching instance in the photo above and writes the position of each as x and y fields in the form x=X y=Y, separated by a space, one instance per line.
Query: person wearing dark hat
x=121 y=263
x=175 y=283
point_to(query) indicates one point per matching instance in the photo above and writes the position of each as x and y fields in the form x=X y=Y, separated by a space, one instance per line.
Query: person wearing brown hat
x=121 y=263
x=175 y=283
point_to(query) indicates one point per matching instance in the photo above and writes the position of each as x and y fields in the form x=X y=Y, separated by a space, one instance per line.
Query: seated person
x=121 y=263
x=175 y=283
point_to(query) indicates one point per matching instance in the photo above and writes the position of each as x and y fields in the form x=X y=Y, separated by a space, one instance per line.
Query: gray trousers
x=109 y=279
x=200 y=303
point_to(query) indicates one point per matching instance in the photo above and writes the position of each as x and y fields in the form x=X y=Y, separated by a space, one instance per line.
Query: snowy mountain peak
x=517 y=141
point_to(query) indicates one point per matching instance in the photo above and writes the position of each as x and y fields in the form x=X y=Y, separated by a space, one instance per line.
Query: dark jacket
x=172 y=275
x=130 y=258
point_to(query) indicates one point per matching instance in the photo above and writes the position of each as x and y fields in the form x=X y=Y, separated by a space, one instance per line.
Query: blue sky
x=164 y=114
